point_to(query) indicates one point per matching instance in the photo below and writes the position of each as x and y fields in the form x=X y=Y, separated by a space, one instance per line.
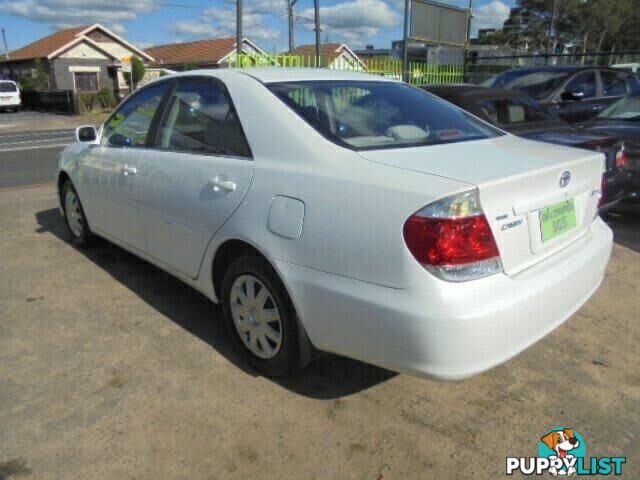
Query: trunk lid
x=516 y=180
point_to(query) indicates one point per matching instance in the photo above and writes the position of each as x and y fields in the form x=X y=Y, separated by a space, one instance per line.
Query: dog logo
x=563 y=452
x=563 y=444
x=565 y=178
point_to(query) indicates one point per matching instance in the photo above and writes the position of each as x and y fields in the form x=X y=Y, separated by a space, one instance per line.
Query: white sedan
x=342 y=212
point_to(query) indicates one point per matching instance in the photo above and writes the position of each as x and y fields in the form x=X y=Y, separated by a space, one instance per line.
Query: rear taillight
x=622 y=159
x=452 y=238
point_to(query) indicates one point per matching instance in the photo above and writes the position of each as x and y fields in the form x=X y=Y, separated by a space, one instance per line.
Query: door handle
x=127 y=170
x=220 y=183
x=598 y=107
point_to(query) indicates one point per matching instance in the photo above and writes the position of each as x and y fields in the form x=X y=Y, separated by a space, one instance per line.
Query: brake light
x=622 y=159
x=452 y=238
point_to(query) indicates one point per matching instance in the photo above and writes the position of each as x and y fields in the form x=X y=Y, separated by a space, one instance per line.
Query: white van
x=9 y=95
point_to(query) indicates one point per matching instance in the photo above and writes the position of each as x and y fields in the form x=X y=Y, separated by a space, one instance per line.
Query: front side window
x=376 y=114
x=86 y=81
x=7 y=87
x=129 y=126
x=513 y=111
x=584 y=83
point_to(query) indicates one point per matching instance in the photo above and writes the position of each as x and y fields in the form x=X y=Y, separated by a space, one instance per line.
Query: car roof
x=473 y=92
x=282 y=74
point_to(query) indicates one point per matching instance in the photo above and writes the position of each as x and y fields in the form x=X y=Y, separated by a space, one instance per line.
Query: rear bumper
x=10 y=103
x=632 y=199
x=448 y=330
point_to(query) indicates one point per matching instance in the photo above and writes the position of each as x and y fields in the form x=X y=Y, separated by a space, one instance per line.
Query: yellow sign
x=126 y=60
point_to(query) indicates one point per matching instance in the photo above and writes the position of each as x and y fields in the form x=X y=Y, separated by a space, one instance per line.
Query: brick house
x=209 y=53
x=82 y=59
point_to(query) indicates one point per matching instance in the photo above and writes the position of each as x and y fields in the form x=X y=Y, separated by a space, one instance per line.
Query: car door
x=579 y=99
x=108 y=170
x=194 y=176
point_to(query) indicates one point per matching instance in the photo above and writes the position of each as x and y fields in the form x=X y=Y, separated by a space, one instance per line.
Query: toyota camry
x=342 y=212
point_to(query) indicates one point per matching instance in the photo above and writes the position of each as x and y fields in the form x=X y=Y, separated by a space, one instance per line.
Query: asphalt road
x=29 y=158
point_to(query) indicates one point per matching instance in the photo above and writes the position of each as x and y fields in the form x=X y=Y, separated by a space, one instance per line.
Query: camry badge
x=565 y=178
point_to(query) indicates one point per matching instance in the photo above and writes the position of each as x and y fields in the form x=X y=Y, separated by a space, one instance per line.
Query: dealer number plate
x=557 y=219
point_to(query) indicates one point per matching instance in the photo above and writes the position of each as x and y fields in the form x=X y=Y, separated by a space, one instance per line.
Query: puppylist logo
x=563 y=451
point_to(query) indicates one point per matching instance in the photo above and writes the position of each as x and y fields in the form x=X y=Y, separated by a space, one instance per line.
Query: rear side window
x=201 y=119
x=130 y=124
x=8 y=87
x=614 y=84
x=584 y=83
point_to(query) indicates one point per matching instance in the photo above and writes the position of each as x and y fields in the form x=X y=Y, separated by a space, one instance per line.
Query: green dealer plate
x=557 y=219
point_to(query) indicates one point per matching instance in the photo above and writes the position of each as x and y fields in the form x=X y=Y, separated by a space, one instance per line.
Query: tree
x=137 y=73
x=38 y=80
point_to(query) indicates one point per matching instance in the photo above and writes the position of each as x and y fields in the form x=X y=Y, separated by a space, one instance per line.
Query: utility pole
x=6 y=49
x=292 y=26
x=238 y=31
x=551 y=24
x=316 y=4
x=405 y=41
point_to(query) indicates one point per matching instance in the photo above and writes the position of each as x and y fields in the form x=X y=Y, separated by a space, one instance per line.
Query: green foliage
x=137 y=72
x=106 y=99
x=39 y=80
x=86 y=102
x=589 y=25
x=190 y=66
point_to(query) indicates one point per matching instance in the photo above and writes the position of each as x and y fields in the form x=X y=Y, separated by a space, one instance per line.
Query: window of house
x=86 y=81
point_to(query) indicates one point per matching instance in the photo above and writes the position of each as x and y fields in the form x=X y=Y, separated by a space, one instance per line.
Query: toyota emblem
x=565 y=178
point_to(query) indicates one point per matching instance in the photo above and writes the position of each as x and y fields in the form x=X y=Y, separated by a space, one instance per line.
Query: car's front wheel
x=74 y=215
x=260 y=316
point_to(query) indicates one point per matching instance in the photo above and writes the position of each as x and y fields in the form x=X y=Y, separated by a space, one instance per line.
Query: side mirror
x=574 y=96
x=120 y=140
x=86 y=134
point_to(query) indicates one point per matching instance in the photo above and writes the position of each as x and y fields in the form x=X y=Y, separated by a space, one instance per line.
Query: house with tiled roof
x=209 y=53
x=332 y=55
x=83 y=59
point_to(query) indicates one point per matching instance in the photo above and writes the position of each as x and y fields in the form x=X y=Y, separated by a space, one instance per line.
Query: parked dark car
x=575 y=94
x=622 y=119
x=518 y=113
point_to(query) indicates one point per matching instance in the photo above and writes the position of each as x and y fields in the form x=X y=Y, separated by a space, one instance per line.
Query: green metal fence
x=420 y=73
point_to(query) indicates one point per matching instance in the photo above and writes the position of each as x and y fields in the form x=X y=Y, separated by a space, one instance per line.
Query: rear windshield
x=365 y=115
x=513 y=111
x=537 y=84
x=8 y=87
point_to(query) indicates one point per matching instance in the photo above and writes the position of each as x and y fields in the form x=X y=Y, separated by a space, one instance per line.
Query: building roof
x=58 y=42
x=45 y=46
x=205 y=52
x=328 y=52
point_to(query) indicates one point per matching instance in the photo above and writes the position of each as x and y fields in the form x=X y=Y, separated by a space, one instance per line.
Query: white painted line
x=2 y=144
x=10 y=124
x=33 y=148
x=47 y=133
x=21 y=187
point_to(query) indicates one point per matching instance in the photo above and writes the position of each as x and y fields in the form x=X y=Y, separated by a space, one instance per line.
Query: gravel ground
x=111 y=369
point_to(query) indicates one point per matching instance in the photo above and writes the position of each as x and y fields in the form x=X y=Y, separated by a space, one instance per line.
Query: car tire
x=75 y=218
x=262 y=323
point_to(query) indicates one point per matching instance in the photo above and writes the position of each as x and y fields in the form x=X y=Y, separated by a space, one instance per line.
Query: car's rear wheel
x=260 y=316
x=74 y=214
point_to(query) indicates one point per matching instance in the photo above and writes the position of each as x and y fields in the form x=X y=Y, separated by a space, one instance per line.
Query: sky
x=153 y=22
